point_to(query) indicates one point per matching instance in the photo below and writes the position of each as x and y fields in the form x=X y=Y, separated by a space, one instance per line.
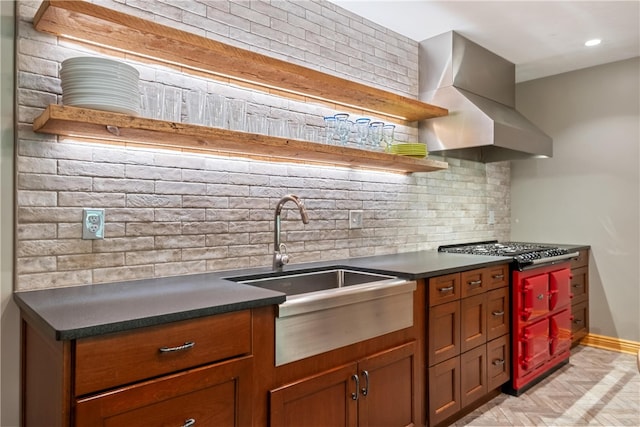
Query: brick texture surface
x=170 y=213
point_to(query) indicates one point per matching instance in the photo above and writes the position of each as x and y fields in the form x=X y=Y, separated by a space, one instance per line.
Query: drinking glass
x=387 y=136
x=343 y=127
x=375 y=134
x=196 y=107
x=171 y=104
x=362 y=130
x=216 y=110
x=296 y=129
x=278 y=127
x=237 y=114
x=151 y=99
x=330 y=126
x=257 y=123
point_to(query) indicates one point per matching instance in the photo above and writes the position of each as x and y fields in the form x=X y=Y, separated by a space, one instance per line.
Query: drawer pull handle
x=577 y=321
x=447 y=289
x=498 y=362
x=475 y=283
x=577 y=285
x=498 y=276
x=498 y=313
x=189 y=422
x=184 y=346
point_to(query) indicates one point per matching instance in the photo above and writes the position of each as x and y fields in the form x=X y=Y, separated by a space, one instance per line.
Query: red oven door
x=560 y=288
x=535 y=345
x=535 y=296
x=560 y=332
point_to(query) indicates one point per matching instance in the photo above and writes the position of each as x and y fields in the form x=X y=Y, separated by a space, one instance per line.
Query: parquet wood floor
x=596 y=388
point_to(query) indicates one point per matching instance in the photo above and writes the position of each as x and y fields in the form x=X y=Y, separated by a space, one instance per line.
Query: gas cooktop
x=522 y=253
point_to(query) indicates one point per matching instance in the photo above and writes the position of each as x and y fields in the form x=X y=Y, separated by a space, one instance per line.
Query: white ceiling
x=542 y=38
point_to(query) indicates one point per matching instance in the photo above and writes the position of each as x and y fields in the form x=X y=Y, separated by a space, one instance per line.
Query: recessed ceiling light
x=592 y=42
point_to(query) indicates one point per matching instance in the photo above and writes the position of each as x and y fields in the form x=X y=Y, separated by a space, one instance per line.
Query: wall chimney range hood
x=478 y=88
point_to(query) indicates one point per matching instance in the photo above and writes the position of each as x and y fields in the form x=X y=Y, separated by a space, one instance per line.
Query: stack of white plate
x=100 y=84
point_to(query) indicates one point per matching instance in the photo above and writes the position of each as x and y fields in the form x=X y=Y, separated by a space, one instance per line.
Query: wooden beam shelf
x=87 y=124
x=105 y=27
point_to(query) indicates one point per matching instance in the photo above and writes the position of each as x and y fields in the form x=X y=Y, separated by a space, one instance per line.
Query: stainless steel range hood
x=478 y=88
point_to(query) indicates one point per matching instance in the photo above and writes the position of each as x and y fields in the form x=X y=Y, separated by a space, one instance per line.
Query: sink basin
x=315 y=281
x=331 y=308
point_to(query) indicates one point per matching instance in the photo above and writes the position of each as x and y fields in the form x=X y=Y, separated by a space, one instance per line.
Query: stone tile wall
x=171 y=213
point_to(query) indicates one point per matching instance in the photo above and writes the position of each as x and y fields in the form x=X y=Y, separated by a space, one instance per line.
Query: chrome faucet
x=280 y=257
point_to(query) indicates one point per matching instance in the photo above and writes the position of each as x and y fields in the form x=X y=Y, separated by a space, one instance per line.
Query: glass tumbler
x=216 y=110
x=196 y=104
x=237 y=114
x=171 y=104
x=343 y=127
x=151 y=99
x=330 y=129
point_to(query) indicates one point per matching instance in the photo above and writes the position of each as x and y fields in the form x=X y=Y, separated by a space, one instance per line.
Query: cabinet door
x=497 y=313
x=444 y=332
x=473 y=375
x=388 y=388
x=473 y=322
x=580 y=323
x=498 y=367
x=560 y=331
x=444 y=390
x=214 y=395
x=326 y=399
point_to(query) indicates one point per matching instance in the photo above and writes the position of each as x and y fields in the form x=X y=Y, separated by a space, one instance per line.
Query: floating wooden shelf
x=101 y=26
x=110 y=127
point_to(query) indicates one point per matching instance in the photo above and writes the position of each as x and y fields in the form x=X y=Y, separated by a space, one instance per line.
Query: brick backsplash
x=170 y=213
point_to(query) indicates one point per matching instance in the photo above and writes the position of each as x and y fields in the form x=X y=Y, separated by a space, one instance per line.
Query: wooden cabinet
x=468 y=339
x=580 y=300
x=192 y=371
x=356 y=394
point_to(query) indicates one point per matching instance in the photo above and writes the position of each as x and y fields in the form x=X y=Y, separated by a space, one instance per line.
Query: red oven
x=541 y=326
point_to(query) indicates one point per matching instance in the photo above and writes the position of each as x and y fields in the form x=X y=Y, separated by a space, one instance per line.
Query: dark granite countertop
x=84 y=311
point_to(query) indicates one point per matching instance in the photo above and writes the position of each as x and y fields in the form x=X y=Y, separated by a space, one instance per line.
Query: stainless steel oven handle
x=555 y=258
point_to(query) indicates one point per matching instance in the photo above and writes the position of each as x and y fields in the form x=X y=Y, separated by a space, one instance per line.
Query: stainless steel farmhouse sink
x=331 y=308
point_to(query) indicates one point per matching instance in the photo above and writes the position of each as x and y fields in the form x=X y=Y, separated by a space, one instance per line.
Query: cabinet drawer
x=580 y=284
x=474 y=282
x=210 y=396
x=444 y=289
x=498 y=276
x=113 y=360
x=582 y=260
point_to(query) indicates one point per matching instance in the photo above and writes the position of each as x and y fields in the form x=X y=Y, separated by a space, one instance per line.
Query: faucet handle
x=284 y=257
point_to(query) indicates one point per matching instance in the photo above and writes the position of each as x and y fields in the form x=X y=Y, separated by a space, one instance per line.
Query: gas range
x=523 y=254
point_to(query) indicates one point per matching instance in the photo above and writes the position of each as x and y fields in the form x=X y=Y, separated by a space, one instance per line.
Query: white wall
x=9 y=323
x=589 y=191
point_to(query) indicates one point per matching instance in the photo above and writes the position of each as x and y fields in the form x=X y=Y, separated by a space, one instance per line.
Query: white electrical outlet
x=355 y=219
x=92 y=223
